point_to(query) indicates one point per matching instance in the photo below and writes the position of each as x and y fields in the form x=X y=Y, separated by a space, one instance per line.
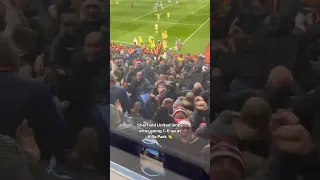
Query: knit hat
x=177 y=109
x=178 y=102
x=224 y=149
x=185 y=122
x=188 y=100
x=254 y=118
x=12 y=163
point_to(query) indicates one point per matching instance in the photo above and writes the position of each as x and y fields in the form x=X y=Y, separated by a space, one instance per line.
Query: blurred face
x=160 y=87
x=138 y=65
x=162 y=77
x=119 y=63
x=225 y=168
x=69 y=23
x=93 y=44
x=180 y=115
x=139 y=76
x=131 y=68
x=185 y=134
x=93 y=12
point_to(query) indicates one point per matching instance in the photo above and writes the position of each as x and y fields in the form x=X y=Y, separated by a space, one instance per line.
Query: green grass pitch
x=190 y=22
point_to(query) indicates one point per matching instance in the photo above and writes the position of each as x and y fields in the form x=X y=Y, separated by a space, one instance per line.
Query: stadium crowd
x=53 y=72
x=266 y=94
x=147 y=87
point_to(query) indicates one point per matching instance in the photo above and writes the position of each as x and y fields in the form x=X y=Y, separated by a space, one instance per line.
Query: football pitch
x=190 y=22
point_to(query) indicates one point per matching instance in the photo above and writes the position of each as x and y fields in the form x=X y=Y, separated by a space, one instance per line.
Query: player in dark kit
x=131 y=3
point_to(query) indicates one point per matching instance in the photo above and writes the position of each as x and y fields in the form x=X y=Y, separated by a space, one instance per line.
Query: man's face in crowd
x=131 y=69
x=162 y=77
x=69 y=23
x=93 y=43
x=118 y=63
x=225 y=168
x=179 y=115
x=139 y=76
x=160 y=87
x=138 y=65
x=93 y=12
x=185 y=133
x=171 y=78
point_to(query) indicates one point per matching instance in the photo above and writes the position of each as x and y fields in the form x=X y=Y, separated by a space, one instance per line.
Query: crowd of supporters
x=160 y=88
x=266 y=94
x=53 y=72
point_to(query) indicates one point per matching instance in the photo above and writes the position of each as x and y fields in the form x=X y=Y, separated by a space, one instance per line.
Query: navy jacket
x=24 y=98
x=118 y=92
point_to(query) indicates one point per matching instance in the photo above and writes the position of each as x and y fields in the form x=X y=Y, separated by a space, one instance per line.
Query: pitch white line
x=121 y=42
x=168 y=23
x=199 y=8
x=152 y=12
x=195 y=31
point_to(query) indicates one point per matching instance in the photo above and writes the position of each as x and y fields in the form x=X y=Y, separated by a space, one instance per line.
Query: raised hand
x=167 y=103
x=289 y=135
x=200 y=104
x=26 y=140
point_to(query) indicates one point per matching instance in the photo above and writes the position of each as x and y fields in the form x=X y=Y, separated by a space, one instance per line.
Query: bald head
x=256 y=112
x=139 y=75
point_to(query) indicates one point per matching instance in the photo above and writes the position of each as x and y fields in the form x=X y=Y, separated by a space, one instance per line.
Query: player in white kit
x=155 y=6
x=177 y=1
x=117 y=2
x=169 y=1
x=135 y=41
x=161 y=5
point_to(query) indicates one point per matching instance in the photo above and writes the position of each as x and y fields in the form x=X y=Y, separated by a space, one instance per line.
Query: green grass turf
x=189 y=22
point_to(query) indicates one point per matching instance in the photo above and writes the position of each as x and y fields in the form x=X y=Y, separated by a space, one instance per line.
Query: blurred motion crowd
x=146 y=88
x=53 y=75
x=266 y=92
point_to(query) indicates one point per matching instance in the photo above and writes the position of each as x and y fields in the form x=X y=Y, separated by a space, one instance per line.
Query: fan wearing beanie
x=247 y=131
x=248 y=125
x=226 y=162
x=138 y=65
x=179 y=114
